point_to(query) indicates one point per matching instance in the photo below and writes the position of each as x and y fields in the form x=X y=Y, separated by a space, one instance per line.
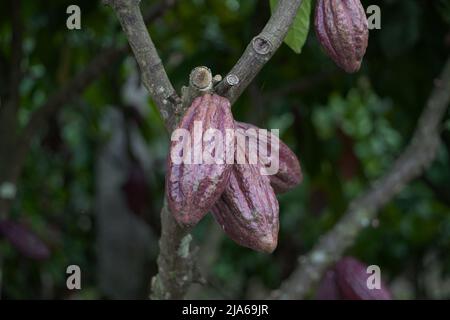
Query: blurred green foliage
x=346 y=130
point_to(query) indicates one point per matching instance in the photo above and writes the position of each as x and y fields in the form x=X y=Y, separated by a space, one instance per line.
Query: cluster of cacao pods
x=342 y=30
x=241 y=198
x=348 y=280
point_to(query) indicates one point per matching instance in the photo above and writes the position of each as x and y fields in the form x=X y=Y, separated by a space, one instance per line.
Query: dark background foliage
x=346 y=130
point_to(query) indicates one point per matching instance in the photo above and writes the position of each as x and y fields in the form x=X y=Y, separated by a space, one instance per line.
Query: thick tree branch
x=417 y=156
x=176 y=262
x=154 y=75
x=260 y=49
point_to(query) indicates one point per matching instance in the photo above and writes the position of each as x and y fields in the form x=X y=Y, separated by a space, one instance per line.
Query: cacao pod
x=248 y=209
x=342 y=30
x=352 y=276
x=193 y=188
x=328 y=288
x=24 y=240
x=289 y=173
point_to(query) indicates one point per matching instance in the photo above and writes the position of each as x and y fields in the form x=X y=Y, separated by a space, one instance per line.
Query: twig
x=417 y=156
x=260 y=49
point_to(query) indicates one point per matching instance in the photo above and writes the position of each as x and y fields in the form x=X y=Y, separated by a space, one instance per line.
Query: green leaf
x=297 y=34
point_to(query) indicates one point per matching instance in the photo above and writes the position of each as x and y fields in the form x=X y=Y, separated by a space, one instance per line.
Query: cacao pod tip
x=185 y=220
x=268 y=243
x=248 y=209
x=353 y=68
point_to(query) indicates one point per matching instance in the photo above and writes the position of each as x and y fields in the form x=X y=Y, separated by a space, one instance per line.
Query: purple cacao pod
x=289 y=174
x=248 y=209
x=328 y=288
x=342 y=30
x=194 y=186
x=24 y=240
x=352 y=276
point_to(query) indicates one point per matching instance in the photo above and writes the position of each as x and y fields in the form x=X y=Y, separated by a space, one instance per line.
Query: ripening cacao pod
x=24 y=240
x=248 y=209
x=289 y=173
x=351 y=276
x=194 y=185
x=342 y=30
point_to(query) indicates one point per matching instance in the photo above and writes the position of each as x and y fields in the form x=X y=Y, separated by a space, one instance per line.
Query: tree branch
x=176 y=261
x=260 y=50
x=154 y=75
x=417 y=156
